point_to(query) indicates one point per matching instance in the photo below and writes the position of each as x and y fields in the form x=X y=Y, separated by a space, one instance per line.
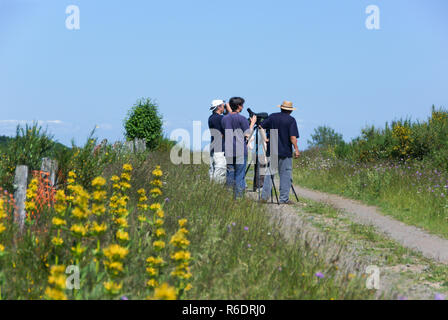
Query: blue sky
x=318 y=54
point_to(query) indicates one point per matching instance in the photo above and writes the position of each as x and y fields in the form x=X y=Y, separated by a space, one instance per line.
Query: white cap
x=216 y=103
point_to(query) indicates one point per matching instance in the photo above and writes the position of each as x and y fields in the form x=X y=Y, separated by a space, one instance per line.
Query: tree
x=324 y=137
x=144 y=122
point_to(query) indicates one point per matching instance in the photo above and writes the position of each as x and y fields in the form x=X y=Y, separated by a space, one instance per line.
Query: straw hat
x=287 y=105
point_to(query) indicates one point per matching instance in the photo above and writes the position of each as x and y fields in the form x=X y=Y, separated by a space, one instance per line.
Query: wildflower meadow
x=120 y=225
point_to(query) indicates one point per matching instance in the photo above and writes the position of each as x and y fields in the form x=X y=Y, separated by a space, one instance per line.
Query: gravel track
x=430 y=246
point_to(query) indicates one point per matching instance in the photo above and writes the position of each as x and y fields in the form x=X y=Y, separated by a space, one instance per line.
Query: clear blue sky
x=318 y=54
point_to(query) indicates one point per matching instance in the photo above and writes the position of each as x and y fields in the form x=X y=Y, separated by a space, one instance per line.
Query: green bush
x=144 y=122
x=324 y=137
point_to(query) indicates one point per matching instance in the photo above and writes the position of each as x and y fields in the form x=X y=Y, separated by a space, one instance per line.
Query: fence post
x=129 y=146
x=140 y=145
x=20 y=185
x=50 y=166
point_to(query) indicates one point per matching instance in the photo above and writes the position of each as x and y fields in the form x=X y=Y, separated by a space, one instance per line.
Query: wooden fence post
x=50 y=166
x=20 y=185
x=139 y=145
x=129 y=146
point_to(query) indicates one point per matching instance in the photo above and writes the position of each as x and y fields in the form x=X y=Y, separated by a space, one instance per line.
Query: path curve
x=429 y=245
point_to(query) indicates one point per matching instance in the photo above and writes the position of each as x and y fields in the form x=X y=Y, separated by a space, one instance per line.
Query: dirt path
x=428 y=245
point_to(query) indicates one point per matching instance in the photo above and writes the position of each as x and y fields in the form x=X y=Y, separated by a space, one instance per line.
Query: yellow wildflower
x=98 y=182
x=151 y=271
x=164 y=292
x=156 y=192
x=79 y=229
x=58 y=222
x=160 y=233
x=152 y=283
x=127 y=167
x=159 y=245
x=157 y=172
x=54 y=294
x=115 y=251
x=98 y=228
x=122 y=235
x=122 y=222
x=155 y=206
x=78 y=250
x=157 y=183
x=57 y=241
x=112 y=287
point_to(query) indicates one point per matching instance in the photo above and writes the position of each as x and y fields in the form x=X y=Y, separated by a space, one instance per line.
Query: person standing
x=282 y=128
x=218 y=168
x=237 y=130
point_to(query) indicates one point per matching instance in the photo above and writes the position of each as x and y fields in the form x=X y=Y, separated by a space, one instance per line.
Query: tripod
x=268 y=165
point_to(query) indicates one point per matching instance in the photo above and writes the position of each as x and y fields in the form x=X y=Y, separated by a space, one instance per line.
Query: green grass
x=397 y=191
x=236 y=253
x=374 y=246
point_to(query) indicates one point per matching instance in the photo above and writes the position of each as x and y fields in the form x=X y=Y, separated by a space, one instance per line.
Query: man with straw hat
x=283 y=135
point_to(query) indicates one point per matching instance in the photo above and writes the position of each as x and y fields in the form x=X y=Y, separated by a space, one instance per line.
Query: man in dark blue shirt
x=217 y=170
x=283 y=135
x=237 y=130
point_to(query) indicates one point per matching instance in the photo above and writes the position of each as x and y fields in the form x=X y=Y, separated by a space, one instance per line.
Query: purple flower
x=167 y=199
x=233 y=224
x=320 y=275
x=246 y=228
x=439 y=296
x=124 y=298
x=248 y=245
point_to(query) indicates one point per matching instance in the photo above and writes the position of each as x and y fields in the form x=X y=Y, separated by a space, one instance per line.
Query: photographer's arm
x=296 y=148
x=253 y=120
x=229 y=110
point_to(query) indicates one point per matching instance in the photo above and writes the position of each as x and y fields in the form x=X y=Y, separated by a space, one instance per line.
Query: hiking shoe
x=287 y=202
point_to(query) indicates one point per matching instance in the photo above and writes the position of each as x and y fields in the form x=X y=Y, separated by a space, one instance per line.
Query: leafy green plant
x=324 y=137
x=144 y=122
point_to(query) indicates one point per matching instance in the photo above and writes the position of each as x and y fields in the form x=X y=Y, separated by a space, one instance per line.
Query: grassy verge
x=401 y=268
x=235 y=253
x=411 y=193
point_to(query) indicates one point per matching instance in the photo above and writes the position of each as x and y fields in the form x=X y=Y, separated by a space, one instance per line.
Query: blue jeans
x=285 y=173
x=236 y=170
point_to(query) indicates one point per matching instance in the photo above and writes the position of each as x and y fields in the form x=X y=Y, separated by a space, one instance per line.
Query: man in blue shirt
x=217 y=170
x=237 y=130
x=283 y=136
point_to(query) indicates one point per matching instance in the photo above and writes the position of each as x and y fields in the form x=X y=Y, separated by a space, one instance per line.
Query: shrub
x=324 y=137
x=144 y=122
